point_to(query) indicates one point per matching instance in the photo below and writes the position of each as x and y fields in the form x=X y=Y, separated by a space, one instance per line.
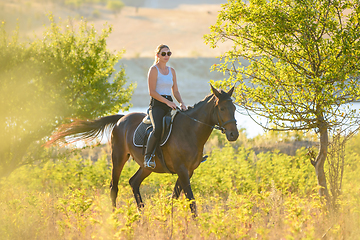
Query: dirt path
x=182 y=29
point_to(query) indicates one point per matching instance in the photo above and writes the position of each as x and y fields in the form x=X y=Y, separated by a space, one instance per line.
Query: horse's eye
x=222 y=109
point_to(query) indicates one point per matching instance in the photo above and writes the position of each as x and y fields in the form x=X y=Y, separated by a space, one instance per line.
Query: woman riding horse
x=182 y=152
x=161 y=82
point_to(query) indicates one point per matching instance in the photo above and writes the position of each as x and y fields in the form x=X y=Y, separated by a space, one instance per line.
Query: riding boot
x=149 y=160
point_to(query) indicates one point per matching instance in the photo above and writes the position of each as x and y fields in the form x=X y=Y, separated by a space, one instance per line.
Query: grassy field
x=239 y=194
x=242 y=191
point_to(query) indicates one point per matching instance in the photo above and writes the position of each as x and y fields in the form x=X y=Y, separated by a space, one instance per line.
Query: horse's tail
x=86 y=130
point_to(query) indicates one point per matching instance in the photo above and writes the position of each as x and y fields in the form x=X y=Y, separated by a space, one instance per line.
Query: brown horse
x=183 y=151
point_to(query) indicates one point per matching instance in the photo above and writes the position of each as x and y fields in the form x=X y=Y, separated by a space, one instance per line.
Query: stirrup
x=149 y=162
x=204 y=158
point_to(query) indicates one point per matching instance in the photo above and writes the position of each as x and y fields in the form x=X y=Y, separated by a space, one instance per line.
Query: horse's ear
x=215 y=92
x=230 y=92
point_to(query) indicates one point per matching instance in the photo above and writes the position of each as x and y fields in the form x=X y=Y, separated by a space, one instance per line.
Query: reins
x=217 y=126
x=194 y=119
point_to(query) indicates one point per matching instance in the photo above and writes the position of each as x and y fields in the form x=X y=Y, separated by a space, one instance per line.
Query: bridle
x=220 y=123
x=219 y=126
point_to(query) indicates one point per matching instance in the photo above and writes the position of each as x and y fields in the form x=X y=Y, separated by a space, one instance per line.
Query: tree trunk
x=320 y=161
x=14 y=156
x=6 y=170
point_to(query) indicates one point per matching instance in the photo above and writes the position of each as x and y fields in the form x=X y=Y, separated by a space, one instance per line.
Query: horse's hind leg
x=119 y=159
x=135 y=182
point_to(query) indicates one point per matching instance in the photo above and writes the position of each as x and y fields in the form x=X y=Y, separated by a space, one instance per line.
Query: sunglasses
x=164 y=54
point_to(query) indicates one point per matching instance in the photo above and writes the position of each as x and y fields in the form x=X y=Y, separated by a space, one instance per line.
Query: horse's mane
x=200 y=103
x=208 y=98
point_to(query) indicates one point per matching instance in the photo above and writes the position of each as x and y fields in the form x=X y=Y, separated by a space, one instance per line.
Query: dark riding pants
x=157 y=111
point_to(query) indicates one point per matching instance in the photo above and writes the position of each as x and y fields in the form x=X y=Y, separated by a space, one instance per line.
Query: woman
x=161 y=83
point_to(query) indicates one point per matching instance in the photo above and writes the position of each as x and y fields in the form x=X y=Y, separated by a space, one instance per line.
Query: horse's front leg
x=184 y=180
x=177 y=190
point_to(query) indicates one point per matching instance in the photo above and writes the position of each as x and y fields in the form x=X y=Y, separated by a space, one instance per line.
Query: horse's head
x=224 y=113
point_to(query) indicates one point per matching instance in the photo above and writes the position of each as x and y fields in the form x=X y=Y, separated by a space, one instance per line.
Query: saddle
x=145 y=127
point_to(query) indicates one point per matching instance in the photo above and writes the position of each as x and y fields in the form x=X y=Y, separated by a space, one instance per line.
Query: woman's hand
x=171 y=104
x=183 y=106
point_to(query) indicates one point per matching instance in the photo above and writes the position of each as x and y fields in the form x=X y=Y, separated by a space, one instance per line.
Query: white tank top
x=164 y=83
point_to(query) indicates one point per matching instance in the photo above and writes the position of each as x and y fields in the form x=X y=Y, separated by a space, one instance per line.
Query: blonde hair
x=158 y=50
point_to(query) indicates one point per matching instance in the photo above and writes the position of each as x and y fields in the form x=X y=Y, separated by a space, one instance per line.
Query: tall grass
x=239 y=194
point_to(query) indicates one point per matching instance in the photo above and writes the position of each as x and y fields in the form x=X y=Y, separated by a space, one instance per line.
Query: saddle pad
x=140 y=135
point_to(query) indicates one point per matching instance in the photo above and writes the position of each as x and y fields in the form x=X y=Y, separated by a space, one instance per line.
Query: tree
x=66 y=74
x=303 y=64
x=115 y=6
x=134 y=3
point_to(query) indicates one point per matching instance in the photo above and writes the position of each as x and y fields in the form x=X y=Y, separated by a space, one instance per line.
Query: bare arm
x=152 y=78
x=175 y=91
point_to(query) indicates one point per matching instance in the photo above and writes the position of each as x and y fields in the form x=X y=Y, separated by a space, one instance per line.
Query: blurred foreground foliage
x=68 y=73
x=240 y=194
